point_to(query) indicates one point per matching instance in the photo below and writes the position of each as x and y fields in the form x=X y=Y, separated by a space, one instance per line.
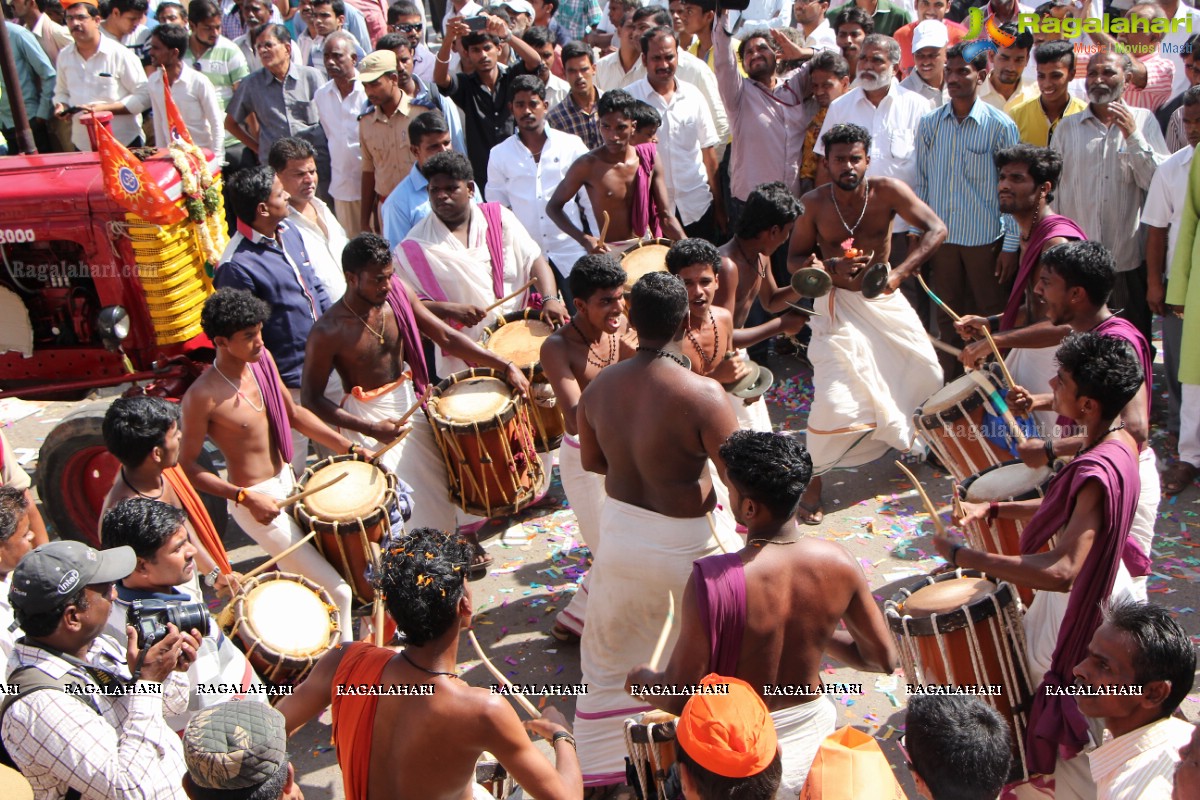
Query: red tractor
x=92 y=296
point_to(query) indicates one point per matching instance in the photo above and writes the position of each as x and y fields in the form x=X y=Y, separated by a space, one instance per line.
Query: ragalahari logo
x=995 y=38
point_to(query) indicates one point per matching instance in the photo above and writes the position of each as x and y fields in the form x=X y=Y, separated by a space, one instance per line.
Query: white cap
x=930 y=33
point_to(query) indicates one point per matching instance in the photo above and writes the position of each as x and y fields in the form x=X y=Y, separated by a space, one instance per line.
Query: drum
x=483 y=430
x=963 y=430
x=493 y=777
x=651 y=746
x=648 y=255
x=283 y=623
x=518 y=336
x=351 y=519
x=1011 y=481
x=962 y=629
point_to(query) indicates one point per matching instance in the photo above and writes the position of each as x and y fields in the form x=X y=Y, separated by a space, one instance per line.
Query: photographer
x=166 y=572
x=106 y=739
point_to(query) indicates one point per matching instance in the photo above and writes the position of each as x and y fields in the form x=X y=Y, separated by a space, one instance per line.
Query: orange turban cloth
x=730 y=734
x=93 y=3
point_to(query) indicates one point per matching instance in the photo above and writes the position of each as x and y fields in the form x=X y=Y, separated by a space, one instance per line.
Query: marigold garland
x=201 y=197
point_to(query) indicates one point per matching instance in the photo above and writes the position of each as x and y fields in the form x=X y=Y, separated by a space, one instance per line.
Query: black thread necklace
x=660 y=353
x=612 y=348
x=704 y=357
x=162 y=488
x=415 y=665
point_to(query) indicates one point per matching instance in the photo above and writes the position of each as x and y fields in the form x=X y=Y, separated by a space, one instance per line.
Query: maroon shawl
x=406 y=321
x=269 y=384
x=720 y=583
x=1048 y=228
x=1124 y=329
x=644 y=209
x=1056 y=724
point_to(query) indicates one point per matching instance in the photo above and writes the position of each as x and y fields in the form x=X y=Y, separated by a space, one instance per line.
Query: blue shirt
x=407 y=205
x=957 y=175
x=35 y=74
x=424 y=97
x=283 y=277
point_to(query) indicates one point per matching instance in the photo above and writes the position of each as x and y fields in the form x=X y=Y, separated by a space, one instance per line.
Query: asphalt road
x=871 y=510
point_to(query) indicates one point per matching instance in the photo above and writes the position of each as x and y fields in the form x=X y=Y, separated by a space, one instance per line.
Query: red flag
x=175 y=124
x=130 y=185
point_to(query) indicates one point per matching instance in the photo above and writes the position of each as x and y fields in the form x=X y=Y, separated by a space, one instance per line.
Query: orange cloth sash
x=197 y=514
x=354 y=715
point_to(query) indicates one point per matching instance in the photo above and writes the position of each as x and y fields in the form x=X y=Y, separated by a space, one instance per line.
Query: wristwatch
x=210 y=579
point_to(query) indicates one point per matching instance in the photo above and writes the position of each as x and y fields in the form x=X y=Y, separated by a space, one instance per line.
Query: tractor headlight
x=112 y=323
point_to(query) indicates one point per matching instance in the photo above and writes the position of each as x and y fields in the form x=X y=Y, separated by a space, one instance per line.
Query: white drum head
x=952 y=394
x=1004 y=483
x=474 y=400
x=289 y=618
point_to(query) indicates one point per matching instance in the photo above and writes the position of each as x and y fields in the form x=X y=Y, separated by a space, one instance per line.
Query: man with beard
x=927 y=11
x=808 y=18
x=1038 y=117
x=1124 y=146
x=830 y=78
x=622 y=180
x=372 y=339
x=852 y=26
x=957 y=178
x=572 y=357
x=1005 y=87
x=528 y=166
x=928 y=78
x=1028 y=179
x=872 y=362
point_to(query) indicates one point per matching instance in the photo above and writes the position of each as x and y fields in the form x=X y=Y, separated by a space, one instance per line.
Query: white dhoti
x=1032 y=368
x=417 y=460
x=645 y=556
x=801 y=729
x=282 y=533
x=873 y=365
x=753 y=417
x=1142 y=530
x=585 y=494
x=1044 y=619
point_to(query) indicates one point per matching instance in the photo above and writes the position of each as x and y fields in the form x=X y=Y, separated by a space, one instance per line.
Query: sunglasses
x=409 y=27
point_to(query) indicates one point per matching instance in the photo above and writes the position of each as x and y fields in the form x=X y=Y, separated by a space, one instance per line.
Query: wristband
x=993 y=511
x=241 y=496
x=352 y=449
x=563 y=736
x=1049 y=448
x=954 y=554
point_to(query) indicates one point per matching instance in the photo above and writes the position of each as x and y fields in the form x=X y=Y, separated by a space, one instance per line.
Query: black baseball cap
x=58 y=570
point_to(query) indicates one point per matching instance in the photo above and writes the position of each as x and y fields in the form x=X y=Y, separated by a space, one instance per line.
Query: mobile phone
x=476 y=24
x=69 y=110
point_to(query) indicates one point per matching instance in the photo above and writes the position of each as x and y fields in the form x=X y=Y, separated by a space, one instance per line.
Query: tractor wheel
x=75 y=472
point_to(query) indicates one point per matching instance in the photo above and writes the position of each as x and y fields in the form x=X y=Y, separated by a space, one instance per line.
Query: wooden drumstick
x=266 y=565
x=604 y=229
x=500 y=676
x=937 y=521
x=999 y=358
x=287 y=501
x=998 y=403
x=517 y=293
x=379 y=453
x=938 y=344
x=986 y=333
x=665 y=633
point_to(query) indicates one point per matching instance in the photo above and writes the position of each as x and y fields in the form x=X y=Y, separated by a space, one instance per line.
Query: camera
x=151 y=617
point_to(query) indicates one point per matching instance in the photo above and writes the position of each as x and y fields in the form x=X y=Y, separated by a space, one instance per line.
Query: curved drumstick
x=937 y=521
x=986 y=333
x=665 y=633
x=287 y=501
x=505 y=299
x=266 y=565
x=604 y=229
x=500 y=676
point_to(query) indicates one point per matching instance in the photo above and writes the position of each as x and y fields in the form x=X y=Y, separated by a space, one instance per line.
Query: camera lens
x=187 y=616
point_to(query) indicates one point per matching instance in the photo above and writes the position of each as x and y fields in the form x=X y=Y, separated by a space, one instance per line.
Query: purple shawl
x=1124 y=329
x=720 y=583
x=644 y=210
x=269 y=385
x=406 y=321
x=1056 y=724
x=1048 y=228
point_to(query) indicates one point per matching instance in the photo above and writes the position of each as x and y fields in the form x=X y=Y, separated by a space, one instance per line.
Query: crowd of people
x=389 y=201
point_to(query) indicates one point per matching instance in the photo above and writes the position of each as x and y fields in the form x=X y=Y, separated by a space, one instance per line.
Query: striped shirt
x=1160 y=74
x=1105 y=178
x=1141 y=763
x=956 y=174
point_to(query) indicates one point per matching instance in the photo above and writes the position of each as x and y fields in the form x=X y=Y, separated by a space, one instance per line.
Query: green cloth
x=1181 y=290
x=888 y=17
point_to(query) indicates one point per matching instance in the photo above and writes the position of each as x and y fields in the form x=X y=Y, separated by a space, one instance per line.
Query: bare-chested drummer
x=659 y=513
x=622 y=180
x=422 y=740
x=872 y=360
x=763 y=227
x=372 y=337
x=243 y=406
x=716 y=348
x=770 y=613
x=571 y=357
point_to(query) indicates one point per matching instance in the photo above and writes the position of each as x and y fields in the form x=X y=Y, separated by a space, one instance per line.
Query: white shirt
x=253 y=62
x=53 y=37
x=197 y=102
x=423 y=64
x=610 y=74
x=822 y=37
x=556 y=90
x=687 y=128
x=764 y=14
x=1173 y=43
x=339 y=119
x=469 y=9
x=324 y=248
x=6 y=618
x=517 y=181
x=1165 y=199
x=892 y=125
x=112 y=75
x=1140 y=765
